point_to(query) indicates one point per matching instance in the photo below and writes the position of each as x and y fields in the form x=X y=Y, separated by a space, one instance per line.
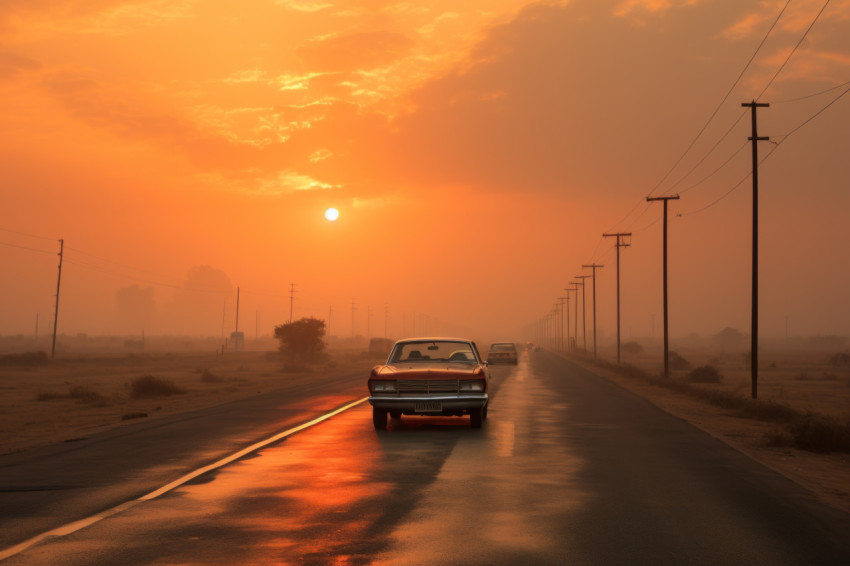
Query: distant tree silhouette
x=730 y=337
x=302 y=339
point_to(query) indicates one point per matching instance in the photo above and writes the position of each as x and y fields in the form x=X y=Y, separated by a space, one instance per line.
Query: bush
x=209 y=377
x=705 y=374
x=840 y=359
x=25 y=359
x=302 y=338
x=86 y=395
x=677 y=362
x=150 y=386
x=632 y=348
x=817 y=433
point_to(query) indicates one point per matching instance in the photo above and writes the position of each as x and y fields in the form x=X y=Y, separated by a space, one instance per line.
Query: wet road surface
x=568 y=469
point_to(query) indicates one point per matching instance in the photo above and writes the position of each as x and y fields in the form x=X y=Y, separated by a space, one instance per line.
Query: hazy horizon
x=476 y=155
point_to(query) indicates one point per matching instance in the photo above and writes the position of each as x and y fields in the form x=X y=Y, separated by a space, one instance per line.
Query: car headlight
x=383 y=386
x=476 y=385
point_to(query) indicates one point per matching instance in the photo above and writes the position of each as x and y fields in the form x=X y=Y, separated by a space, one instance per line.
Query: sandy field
x=69 y=398
x=73 y=397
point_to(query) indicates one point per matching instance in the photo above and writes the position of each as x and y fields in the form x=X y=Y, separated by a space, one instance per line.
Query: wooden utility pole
x=664 y=269
x=594 y=267
x=237 y=310
x=754 y=334
x=291 y=300
x=583 y=311
x=56 y=310
x=561 y=302
x=569 y=344
x=621 y=243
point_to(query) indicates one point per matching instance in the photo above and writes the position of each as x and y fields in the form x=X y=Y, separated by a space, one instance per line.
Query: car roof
x=434 y=339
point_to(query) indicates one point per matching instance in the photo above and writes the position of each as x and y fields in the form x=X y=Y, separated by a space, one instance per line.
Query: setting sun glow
x=331 y=214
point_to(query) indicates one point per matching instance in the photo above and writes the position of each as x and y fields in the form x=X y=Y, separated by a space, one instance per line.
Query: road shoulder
x=826 y=476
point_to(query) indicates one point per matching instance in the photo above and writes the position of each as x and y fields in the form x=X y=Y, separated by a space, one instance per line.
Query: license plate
x=428 y=406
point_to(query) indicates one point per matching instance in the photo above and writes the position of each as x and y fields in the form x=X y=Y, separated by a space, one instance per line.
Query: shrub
x=86 y=395
x=209 y=377
x=840 y=359
x=150 y=386
x=677 y=362
x=817 y=433
x=632 y=348
x=705 y=374
x=24 y=359
x=49 y=396
x=302 y=338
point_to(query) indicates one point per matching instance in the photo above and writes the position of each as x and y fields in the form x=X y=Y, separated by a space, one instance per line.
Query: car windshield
x=506 y=346
x=433 y=351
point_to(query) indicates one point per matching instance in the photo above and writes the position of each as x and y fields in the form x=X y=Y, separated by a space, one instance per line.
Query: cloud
x=355 y=51
x=12 y=65
x=304 y=5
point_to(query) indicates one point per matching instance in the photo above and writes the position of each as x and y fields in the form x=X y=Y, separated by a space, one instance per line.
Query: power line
x=723 y=100
x=28 y=235
x=782 y=66
x=26 y=248
x=763 y=159
x=811 y=95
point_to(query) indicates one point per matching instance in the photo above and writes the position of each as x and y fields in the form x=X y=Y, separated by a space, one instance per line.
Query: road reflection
x=500 y=497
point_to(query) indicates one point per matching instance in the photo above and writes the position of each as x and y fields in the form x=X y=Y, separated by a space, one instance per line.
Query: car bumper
x=447 y=402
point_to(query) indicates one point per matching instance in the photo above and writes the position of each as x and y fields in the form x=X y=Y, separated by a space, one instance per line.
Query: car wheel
x=395 y=414
x=379 y=418
x=476 y=417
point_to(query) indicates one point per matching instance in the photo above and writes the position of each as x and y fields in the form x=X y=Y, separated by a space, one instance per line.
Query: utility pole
x=664 y=268
x=575 y=313
x=562 y=301
x=583 y=311
x=621 y=243
x=754 y=334
x=569 y=344
x=237 y=310
x=594 y=267
x=291 y=300
x=330 y=314
x=56 y=310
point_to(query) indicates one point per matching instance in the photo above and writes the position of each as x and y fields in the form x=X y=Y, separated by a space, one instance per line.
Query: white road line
x=83 y=523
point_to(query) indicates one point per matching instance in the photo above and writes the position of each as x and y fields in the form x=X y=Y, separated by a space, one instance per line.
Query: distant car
x=431 y=377
x=502 y=353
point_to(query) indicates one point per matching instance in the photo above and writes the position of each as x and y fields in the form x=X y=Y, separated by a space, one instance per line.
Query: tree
x=302 y=338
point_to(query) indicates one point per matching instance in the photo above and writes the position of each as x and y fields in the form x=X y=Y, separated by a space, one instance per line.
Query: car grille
x=428 y=386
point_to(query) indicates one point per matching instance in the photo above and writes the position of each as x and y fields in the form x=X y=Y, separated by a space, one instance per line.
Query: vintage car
x=430 y=376
x=502 y=353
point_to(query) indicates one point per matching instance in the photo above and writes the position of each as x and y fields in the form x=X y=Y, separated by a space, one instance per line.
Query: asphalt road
x=568 y=469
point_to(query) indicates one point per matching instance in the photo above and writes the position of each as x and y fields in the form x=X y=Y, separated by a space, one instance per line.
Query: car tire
x=395 y=414
x=476 y=417
x=379 y=418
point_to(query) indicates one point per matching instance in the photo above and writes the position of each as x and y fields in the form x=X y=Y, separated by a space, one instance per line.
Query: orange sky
x=476 y=151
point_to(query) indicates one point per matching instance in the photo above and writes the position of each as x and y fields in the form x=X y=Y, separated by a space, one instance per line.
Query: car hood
x=435 y=370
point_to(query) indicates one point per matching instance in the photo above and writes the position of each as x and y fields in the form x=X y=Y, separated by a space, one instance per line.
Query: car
x=430 y=377
x=502 y=353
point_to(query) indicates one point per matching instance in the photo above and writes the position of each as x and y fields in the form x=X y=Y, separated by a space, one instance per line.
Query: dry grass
x=805 y=392
x=73 y=397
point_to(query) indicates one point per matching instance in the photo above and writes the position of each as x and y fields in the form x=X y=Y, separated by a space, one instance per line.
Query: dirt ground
x=71 y=398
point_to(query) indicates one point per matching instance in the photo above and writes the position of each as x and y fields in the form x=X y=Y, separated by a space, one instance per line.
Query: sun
x=331 y=214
